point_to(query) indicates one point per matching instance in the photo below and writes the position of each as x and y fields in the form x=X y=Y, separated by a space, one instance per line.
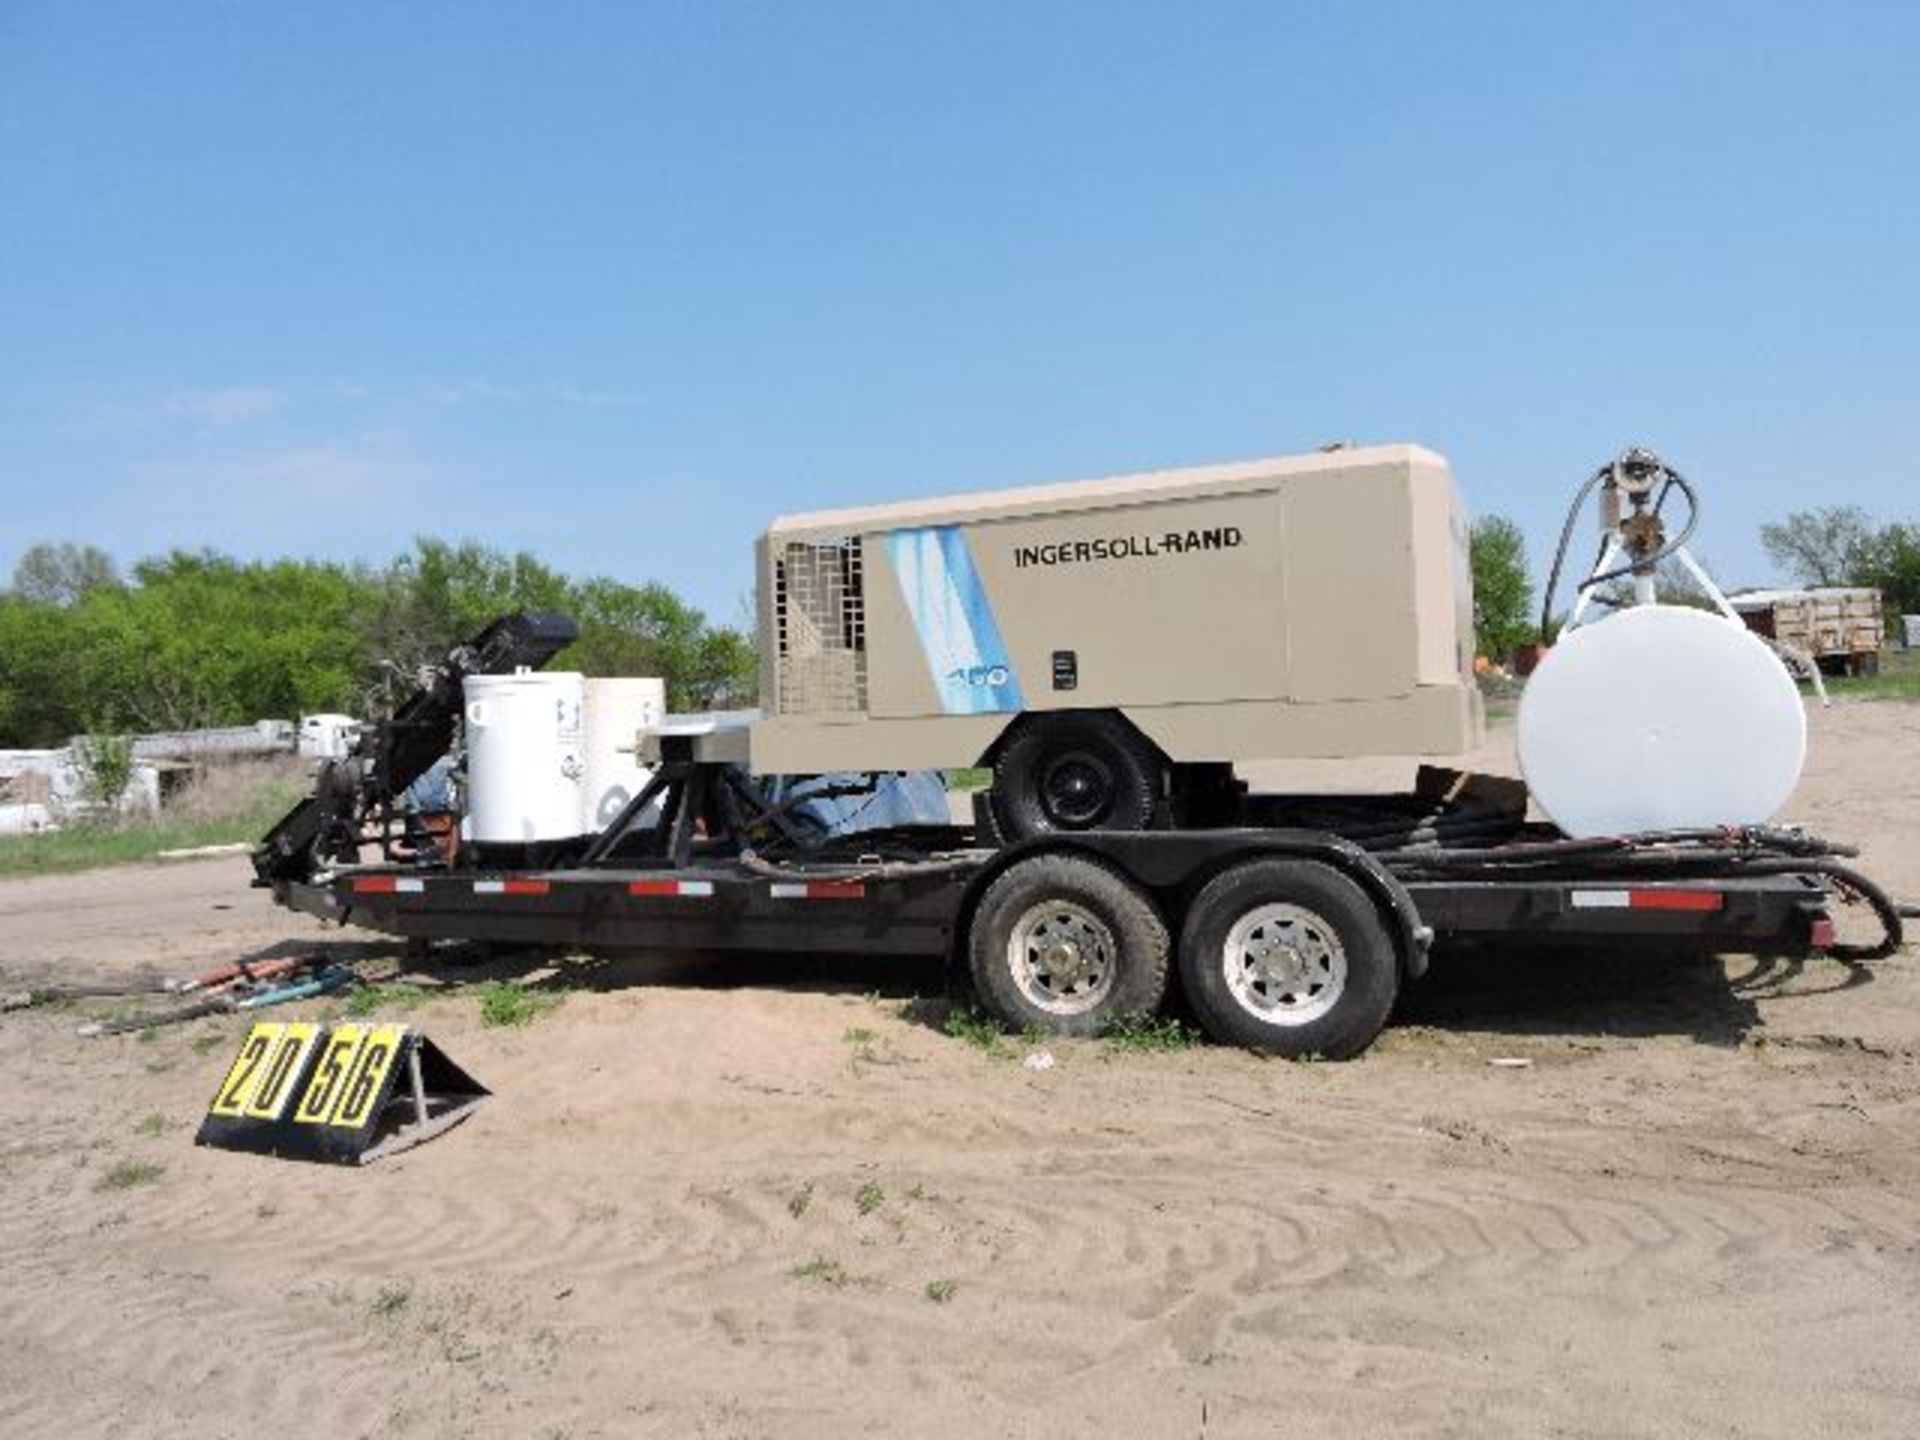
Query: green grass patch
x=153 y=1125
x=364 y=1000
x=869 y=1198
x=130 y=1174
x=941 y=1291
x=823 y=1270
x=390 y=1303
x=1149 y=1034
x=87 y=846
x=503 y=1002
x=976 y=1028
x=1899 y=679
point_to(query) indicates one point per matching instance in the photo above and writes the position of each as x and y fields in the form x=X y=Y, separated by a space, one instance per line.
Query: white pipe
x=1585 y=597
x=1685 y=557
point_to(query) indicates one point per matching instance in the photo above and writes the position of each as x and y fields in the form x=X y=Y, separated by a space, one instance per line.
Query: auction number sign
x=311 y=1091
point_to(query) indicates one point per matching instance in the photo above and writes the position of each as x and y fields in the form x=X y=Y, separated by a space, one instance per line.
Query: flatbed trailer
x=1291 y=922
x=1290 y=939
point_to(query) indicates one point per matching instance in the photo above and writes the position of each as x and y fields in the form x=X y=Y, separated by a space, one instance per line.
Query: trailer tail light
x=1820 y=933
x=1675 y=899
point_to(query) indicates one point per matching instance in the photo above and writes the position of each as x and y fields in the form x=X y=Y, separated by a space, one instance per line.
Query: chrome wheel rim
x=1063 y=958
x=1284 y=964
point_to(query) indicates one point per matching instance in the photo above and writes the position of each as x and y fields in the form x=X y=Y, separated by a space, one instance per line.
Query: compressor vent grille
x=820 y=615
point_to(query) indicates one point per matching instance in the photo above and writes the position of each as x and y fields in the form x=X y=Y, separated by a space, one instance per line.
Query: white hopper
x=619 y=709
x=525 y=762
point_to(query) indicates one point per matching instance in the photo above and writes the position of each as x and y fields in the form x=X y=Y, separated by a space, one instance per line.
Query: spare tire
x=1083 y=770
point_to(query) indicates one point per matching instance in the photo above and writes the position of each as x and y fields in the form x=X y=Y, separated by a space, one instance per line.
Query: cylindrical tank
x=1660 y=718
x=618 y=709
x=526 y=765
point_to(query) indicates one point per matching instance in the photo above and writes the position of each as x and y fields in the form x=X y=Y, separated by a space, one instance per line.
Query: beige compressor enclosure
x=1317 y=605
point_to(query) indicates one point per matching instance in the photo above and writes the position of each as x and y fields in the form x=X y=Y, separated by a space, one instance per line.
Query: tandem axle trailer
x=1290 y=922
x=1288 y=939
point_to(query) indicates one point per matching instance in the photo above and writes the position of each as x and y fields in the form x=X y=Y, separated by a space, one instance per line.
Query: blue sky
x=617 y=283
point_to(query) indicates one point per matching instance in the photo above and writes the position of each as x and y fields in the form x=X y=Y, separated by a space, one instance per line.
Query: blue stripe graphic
x=954 y=620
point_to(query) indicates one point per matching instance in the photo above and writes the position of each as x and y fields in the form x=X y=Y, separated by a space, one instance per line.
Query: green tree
x=1502 y=591
x=1820 y=547
x=1842 y=545
x=39 y=650
x=1890 y=563
x=200 y=638
x=106 y=766
x=63 y=574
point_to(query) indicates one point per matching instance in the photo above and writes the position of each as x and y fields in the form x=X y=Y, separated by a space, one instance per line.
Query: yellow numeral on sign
x=280 y=1069
x=235 y=1089
x=367 y=1074
x=323 y=1091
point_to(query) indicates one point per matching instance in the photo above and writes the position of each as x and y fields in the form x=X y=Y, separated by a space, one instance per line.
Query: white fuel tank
x=526 y=761
x=618 y=709
x=1660 y=718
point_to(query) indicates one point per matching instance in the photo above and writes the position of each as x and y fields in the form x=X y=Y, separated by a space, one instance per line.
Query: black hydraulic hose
x=1545 y=852
x=1851 y=879
x=1720 y=854
x=1560 y=550
x=889 y=870
x=1670 y=547
x=1673 y=478
x=1486 y=832
x=1442 y=819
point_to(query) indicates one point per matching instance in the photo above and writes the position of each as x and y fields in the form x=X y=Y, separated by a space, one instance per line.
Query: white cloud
x=598 y=399
x=463 y=392
x=303 y=499
x=230 y=405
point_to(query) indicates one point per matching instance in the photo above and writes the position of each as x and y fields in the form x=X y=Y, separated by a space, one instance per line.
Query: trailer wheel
x=1066 y=945
x=1089 y=771
x=1289 y=956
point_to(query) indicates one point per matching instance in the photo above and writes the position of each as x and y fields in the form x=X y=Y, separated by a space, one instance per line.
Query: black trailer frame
x=692 y=881
x=722 y=906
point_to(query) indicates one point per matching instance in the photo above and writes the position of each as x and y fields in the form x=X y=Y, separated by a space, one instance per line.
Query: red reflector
x=374 y=885
x=524 y=887
x=1676 y=899
x=1820 y=936
x=835 y=890
x=653 y=887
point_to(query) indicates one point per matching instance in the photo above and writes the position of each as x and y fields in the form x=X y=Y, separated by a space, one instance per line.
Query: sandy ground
x=701 y=1204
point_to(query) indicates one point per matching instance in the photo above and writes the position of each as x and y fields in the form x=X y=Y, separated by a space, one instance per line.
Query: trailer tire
x=1079 y=771
x=1064 y=944
x=1291 y=957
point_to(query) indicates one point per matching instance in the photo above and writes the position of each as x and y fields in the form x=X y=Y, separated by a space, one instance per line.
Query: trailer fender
x=1173 y=866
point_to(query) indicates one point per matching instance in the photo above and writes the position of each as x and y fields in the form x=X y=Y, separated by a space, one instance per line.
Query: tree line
x=195 y=638
x=1838 y=545
x=1843 y=545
